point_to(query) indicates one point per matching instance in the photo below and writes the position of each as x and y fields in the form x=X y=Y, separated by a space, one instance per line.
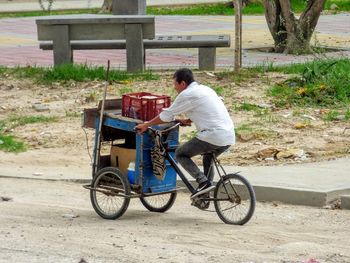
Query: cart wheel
x=109 y=193
x=159 y=203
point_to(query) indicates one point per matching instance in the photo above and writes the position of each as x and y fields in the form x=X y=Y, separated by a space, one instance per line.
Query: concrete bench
x=206 y=45
x=62 y=30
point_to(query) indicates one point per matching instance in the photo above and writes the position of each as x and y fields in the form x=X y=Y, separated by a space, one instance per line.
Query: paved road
x=19 y=46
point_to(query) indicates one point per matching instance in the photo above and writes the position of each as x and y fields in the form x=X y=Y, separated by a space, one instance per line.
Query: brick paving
x=19 y=45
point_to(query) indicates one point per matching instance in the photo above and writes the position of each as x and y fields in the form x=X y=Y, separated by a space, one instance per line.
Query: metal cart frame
x=115 y=127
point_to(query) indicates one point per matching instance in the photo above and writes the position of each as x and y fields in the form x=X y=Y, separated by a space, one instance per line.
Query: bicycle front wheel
x=159 y=203
x=109 y=193
x=234 y=199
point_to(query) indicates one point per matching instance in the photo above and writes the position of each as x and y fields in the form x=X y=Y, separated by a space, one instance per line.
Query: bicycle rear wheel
x=109 y=193
x=234 y=199
x=159 y=203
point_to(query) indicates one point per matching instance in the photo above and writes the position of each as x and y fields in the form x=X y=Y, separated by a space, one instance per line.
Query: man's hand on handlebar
x=141 y=128
x=184 y=122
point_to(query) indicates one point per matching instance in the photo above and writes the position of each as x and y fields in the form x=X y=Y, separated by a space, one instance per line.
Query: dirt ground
x=296 y=134
x=54 y=222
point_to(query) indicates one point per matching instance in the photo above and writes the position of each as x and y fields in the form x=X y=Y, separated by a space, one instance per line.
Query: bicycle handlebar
x=165 y=130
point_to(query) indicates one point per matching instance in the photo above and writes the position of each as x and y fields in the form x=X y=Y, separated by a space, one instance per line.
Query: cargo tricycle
x=126 y=170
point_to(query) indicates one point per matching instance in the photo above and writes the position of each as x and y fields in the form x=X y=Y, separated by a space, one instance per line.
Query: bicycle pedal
x=202 y=205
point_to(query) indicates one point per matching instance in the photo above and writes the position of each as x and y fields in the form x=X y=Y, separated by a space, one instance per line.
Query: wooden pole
x=238 y=34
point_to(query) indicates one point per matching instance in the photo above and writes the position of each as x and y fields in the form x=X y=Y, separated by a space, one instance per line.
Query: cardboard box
x=121 y=156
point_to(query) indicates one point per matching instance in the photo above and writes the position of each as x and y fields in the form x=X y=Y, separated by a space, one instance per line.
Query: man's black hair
x=183 y=74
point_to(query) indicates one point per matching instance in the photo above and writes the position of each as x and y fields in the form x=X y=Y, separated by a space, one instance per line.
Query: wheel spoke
x=235 y=200
x=159 y=203
x=109 y=193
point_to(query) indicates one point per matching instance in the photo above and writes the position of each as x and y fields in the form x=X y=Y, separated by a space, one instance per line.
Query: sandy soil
x=300 y=134
x=54 y=222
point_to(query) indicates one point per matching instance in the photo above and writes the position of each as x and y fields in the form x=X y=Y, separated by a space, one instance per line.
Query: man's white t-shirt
x=203 y=106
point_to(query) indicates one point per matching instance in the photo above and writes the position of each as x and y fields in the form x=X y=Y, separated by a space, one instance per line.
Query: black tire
x=159 y=203
x=108 y=182
x=240 y=204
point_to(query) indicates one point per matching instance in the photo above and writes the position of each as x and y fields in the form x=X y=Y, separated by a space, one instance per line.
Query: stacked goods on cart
x=143 y=105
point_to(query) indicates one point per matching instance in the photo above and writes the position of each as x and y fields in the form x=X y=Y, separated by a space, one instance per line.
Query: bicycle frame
x=178 y=171
x=215 y=163
x=171 y=160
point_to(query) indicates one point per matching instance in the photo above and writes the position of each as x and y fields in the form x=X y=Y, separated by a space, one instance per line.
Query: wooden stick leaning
x=98 y=142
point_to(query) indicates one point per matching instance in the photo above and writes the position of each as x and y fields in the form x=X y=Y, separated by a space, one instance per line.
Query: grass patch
x=331 y=116
x=242 y=75
x=75 y=72
x=85 y=73
x=259 y=111
x=347 y=115
x=2 y=70
x=124 y=90
x=253 y=8
x=15 y=121
x=249 y=132
x=9 y=143
x=244 y=128
x=46 y=13
x=22 y=72
x=219 y=90
x=321 y=83
x=343 y=5
x=92 y=96
x=2 y=125
x=201 y=9
x=73 y=114
x=337 y=115
x=226 y=9
x=247 y=107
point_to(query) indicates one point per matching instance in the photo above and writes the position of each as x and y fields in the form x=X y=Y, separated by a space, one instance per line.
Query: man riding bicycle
x=215 y=129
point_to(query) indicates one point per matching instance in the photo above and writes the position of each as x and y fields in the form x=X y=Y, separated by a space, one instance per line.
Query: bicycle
x=233 y=197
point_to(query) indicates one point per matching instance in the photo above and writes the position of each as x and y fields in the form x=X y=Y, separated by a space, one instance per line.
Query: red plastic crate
x=143 y=105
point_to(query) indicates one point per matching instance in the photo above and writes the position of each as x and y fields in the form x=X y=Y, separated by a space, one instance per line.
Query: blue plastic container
x=131 y=173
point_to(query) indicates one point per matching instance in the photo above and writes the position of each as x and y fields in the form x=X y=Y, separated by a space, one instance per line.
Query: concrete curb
x=292 y=196
x=345 y=201
x=71 y=180
x=286 y=195
x=298 y=196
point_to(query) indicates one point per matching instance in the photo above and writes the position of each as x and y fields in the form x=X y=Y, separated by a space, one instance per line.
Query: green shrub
x=321 y=82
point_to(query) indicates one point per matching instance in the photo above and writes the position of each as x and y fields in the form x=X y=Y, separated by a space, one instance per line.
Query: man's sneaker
x=203 y=188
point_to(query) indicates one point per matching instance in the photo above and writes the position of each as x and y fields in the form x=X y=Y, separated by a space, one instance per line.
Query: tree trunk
x=275 y=23
x=292 y=35
x=106 y=6
x=244 y=3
